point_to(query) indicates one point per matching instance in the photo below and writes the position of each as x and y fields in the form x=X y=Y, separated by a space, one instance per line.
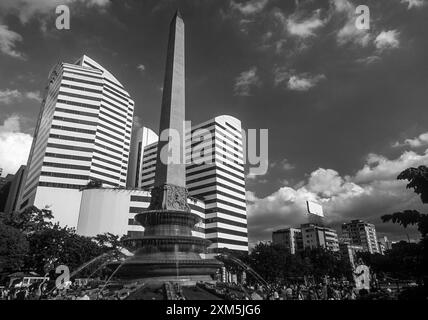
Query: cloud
x=249 y=7
x=304 y=28
x=246 y=81
x=368 y=194
x=414 y=3
x=14 y=145
x=349 y=33
x=34 y=95
x=387 y=40
x=420 y=141
x=27 y=9
x=296 y=82
x=369 y=60
x=304 y=82
x=284 y=164
x=8 y=41
x=8 y=96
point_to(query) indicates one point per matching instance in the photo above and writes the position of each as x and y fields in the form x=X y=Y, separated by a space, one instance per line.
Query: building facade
x=315 y=236
x=350 y=252
x=291 y=238
x=113 y=210
x=141 y=138
x=363 y=234
x=83 y=133
x=215 y=175
x=16 y=185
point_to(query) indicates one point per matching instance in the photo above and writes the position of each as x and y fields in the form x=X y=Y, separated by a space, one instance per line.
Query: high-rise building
x=291 y=238
x=214 y=174
x=361 y=233
x=315 y=236
x=5 y=188
x=141 y=138
x=16 y=184
x=83 y=133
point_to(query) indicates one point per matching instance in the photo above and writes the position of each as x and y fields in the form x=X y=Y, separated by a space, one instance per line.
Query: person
x=299 y=295
x=289 y=293
x=312 y=295
x=83 y=296
x=20 y=295
x=275 y=295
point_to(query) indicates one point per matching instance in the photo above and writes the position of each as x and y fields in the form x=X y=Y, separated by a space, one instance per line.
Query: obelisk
x=169 y=192
x=168 y=251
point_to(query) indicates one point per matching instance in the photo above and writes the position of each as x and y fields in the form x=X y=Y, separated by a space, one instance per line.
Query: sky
x=345 y=108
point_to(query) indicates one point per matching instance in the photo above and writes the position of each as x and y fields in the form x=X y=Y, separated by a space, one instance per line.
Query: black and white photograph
x=221 y=156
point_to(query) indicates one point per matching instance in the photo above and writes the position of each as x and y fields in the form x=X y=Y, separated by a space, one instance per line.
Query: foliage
x=403 y=261
x=13 y=248
x=275 y=263
x=409 y=217
x=30 y=220
x=38 y=242
x=60 y=245
x=418 y=181
x=407 y=259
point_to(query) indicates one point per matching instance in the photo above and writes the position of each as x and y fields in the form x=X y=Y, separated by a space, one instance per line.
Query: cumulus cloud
x=14 y=145
x=304 y=27
x=414 y=3
x=420 y=141
x=246 y=81
x=249 y=7
x=368 y=194
x=8 y=42
x=387 y=40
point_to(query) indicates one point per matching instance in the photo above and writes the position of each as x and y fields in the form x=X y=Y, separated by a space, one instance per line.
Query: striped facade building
x=215 y=175
x=83 y=132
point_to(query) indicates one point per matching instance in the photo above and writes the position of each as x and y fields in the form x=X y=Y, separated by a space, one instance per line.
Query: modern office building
x=361 y=233
x=141 y=138
x=5 y=186
x=315 y=236
x=291 y=238
x=83 y=133
x=16 y=184
x=214 y=174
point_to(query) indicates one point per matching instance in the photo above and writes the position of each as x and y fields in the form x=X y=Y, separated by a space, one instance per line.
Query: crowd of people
x=333 y=290
x=72 y=292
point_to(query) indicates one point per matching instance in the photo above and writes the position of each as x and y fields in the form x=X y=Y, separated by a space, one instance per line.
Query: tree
x=418 y=181
x=60 y=245
x=30 y=220
x=417 y=258
x=13 y=248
